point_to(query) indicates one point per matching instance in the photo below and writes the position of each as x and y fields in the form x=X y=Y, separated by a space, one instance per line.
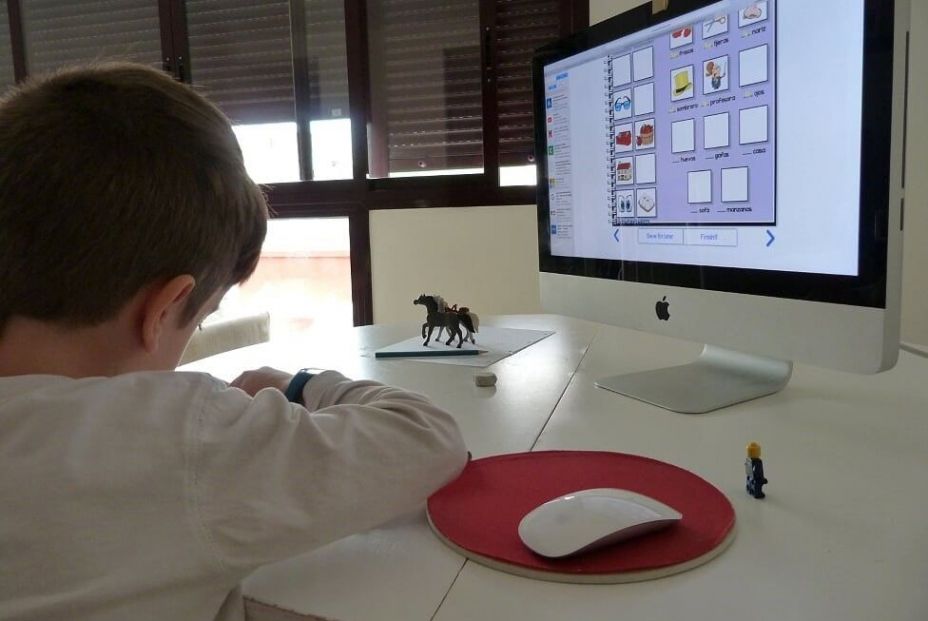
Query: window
x=58 y=33
x=6 y=49
x=240 y=57
x=279 y=74
x=425 y=86
x=522 y=26
x=331 y=147
x=270 y=151
x=429 y=77
x=340 y=106
x=518 y=175
x=303 y=279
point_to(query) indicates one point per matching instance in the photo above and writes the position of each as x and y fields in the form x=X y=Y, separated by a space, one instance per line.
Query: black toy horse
x=439 y=317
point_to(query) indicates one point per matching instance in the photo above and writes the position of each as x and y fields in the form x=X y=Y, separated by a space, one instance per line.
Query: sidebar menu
x=557 y=124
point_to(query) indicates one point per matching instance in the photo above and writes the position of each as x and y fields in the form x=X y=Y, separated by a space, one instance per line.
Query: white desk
x=842 y=534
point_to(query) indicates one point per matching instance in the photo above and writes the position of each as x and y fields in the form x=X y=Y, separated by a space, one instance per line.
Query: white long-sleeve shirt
x=151 y=495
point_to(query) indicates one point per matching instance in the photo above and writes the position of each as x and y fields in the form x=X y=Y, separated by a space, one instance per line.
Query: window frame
x=17 y=40
x=355 y=198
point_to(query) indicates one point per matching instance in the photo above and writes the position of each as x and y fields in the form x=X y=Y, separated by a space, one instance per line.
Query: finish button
x=711 y=237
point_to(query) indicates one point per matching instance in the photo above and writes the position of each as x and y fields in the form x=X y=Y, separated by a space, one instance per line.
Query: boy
x=129 y=491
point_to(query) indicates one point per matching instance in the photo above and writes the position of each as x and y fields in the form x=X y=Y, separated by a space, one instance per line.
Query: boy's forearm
x=332 y=388
x=330 y=392
x=363 y=453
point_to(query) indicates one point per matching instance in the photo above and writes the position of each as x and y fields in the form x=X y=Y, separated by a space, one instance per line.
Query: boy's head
x=115 y=178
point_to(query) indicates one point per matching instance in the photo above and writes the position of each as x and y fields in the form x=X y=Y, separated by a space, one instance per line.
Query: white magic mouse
x=592 y=518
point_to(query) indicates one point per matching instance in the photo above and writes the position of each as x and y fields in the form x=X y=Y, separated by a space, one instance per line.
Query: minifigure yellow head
x=754 y=450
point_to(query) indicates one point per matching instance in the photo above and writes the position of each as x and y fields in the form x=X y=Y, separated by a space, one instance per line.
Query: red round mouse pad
x=478 y=514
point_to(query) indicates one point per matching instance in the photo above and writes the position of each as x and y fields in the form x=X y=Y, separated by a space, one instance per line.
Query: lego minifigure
x=754 y=469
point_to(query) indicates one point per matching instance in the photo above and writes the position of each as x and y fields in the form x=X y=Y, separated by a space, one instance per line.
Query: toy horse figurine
x=439 y=317
x=470 y=321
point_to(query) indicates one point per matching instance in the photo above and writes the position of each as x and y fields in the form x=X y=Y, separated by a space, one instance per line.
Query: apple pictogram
x=662 y=309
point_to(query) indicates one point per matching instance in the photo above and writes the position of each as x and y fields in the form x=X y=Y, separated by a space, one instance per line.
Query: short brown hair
x=114 y=176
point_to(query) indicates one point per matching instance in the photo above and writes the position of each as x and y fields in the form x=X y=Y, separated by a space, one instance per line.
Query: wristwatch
x=294 y=392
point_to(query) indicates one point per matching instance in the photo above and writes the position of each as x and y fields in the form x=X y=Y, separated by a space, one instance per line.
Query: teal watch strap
x=294 y=392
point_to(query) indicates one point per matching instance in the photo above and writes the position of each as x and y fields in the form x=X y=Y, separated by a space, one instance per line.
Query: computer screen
x=741 y=146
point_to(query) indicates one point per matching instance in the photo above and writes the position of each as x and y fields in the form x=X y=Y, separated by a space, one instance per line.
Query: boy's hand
x=265 y=377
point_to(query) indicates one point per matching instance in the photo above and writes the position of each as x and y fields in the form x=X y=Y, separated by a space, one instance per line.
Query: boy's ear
x=164 y=303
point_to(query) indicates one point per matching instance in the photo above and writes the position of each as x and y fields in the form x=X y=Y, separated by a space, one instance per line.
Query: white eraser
x=485 y=378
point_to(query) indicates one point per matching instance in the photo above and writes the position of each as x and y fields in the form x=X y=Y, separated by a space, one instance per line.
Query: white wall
x=486 y=257
x=604 y=9
x=915 y=262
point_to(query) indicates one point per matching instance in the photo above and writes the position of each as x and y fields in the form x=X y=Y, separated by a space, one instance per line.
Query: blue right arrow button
x=772 y=238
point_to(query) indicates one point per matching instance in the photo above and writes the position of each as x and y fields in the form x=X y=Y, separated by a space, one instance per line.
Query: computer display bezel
x=867 y=289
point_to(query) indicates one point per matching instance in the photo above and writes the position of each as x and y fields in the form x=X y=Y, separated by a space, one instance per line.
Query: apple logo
x=662 y=309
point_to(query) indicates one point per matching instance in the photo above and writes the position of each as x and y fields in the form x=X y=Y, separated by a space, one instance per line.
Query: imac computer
x=729 y=173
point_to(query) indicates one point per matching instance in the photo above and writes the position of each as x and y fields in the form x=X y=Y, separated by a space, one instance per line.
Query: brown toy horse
x=442 y=318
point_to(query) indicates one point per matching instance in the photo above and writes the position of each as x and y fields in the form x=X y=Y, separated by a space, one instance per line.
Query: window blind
x=240 y=57
x=425 y=66
x=64 y=33
x=522 y=26
x=327 y=59
x=6 y=50
x=426 y=82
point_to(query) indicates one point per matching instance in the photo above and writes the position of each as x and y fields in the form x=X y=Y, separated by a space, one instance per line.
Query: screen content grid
x=678 y=144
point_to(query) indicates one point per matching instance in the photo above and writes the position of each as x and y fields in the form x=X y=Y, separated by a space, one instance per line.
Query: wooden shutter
x=426 y=79
x=425 y=82
x=64 y=33
x=327 y=59
x=240 y=57
x=522 y=26
x=6 y=49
